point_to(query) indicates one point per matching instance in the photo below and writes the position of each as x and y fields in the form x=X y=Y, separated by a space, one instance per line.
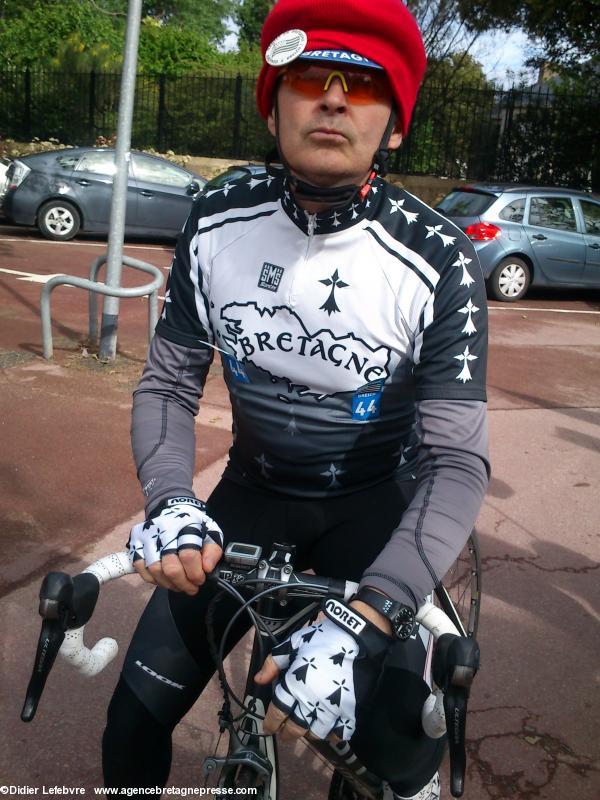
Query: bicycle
x=272 y=585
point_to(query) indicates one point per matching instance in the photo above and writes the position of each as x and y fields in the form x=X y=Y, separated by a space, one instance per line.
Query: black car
x=65 y=191
x=233 y=173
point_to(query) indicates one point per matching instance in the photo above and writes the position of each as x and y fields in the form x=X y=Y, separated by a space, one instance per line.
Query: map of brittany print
x=318 y=363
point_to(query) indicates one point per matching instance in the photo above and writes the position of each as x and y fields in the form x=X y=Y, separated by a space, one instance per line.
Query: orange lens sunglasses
x=362 y=86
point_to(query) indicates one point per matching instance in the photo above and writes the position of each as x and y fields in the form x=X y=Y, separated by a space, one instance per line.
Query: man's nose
x=334 y=97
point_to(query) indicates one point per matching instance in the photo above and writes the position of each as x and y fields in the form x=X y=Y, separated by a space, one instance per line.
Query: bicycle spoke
x=459 y=594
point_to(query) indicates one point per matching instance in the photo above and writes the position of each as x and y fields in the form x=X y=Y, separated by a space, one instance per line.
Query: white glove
x=179 y=523
x=327 y=669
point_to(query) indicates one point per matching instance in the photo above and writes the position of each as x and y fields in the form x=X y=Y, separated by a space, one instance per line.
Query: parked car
x=233 y=173
x=529 y=235
x=65 y=191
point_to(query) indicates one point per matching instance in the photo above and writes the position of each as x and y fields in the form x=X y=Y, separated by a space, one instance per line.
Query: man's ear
x=271 y=122
x=395 y=140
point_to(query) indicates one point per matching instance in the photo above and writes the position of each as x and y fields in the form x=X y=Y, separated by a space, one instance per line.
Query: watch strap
x=401 y=616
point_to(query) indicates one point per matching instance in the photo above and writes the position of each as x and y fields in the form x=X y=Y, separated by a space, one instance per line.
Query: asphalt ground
x=69 y=494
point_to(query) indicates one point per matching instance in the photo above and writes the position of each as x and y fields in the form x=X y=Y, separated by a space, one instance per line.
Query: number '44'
x=365 y=408
x=360 y=408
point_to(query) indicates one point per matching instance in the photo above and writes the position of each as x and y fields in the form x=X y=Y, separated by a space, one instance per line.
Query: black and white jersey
x=330 y=328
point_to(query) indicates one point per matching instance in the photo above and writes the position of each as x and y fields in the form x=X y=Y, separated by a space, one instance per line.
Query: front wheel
x=510 y=280
x=58 y=220
x=460 y=593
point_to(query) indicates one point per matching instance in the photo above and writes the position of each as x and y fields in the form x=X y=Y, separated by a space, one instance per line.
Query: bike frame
x=252 y=755
x=249 y=730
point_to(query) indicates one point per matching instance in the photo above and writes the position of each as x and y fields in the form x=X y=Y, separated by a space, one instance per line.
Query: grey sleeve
x=452 y=477
x=162 y=425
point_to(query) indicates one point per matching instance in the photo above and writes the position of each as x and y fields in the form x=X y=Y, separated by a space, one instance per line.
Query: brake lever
x=455 y=664
x=65 y=603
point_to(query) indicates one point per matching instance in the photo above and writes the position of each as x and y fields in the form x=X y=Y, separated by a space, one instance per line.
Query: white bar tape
x=433 y=717
x=91 y=662
x=112 y=566
x=87 y=662
x=437 y=622
x=350 y=590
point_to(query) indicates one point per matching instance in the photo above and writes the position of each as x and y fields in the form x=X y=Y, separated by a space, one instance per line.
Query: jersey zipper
x=312 y=224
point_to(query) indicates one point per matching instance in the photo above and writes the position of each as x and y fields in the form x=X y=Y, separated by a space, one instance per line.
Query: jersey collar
x=333 y=220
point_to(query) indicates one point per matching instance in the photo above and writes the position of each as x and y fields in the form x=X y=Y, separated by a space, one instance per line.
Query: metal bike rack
x=96 y=287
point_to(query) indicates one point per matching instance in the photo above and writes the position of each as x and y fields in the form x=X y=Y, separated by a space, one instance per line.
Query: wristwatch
x=402 y=617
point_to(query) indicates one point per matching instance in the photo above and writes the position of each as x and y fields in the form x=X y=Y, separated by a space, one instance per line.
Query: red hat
x=383 y=31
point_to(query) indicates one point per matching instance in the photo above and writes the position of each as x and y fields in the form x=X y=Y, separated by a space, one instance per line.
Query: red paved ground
x=69 y=494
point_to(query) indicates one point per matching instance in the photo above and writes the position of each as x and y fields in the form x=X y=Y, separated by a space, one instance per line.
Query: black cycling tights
x=136 y=748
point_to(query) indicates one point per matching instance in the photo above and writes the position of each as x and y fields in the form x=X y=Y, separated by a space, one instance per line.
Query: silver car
x=65 y=191
x=529 y=235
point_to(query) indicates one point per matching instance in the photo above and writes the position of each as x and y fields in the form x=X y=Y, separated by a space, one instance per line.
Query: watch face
x=404 y=623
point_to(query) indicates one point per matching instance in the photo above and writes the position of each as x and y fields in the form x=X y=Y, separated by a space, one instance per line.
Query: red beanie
x=381 y=30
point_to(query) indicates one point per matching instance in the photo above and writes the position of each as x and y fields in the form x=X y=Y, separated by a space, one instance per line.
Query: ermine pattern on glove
x=181 y=523
x=326 y=668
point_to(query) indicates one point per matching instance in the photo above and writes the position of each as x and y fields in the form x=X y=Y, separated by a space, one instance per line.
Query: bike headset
x=381 y=35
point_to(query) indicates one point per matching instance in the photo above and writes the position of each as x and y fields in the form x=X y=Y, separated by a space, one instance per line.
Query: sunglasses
x=362 y=86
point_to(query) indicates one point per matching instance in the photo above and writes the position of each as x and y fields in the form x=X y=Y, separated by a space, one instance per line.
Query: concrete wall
x=426 y=187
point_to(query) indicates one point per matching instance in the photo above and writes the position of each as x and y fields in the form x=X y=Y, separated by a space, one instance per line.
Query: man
x=351 y=320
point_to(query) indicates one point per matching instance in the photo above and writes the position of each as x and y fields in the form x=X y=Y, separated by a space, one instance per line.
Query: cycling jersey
x=331 y=326
x=353 y=345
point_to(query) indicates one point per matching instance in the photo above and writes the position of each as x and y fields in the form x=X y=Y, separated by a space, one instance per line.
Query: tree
x=567 y=33
x=446 y=27
x=250 y=16
x=452 y=118
x=32 y=34
x=205 y=17
x=74 y=55
x=175 y=37
x=172 y=51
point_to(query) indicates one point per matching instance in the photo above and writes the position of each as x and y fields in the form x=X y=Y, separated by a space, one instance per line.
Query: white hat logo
x=286 y=48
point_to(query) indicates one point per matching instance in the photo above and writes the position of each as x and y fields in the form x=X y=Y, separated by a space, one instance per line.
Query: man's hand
x=323 y=671
x=177 y=546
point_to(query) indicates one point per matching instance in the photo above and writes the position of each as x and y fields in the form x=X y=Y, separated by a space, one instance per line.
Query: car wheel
x=58 y=220
x=510 y=280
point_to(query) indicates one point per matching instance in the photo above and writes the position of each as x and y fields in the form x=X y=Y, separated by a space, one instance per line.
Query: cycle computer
x=242 y=555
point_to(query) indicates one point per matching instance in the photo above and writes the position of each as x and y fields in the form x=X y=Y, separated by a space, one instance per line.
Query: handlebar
x=67 y=604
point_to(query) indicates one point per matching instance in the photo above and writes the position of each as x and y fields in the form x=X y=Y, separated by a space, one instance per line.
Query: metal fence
x=458 y=132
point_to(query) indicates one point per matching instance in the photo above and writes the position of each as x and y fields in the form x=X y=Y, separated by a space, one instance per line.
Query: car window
x=552 y=212
x=514 y=210
x=101 y=163
x=151 y=170
x=67 y=162
x=226 y=177
x=465 y=204
x=591 y=216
